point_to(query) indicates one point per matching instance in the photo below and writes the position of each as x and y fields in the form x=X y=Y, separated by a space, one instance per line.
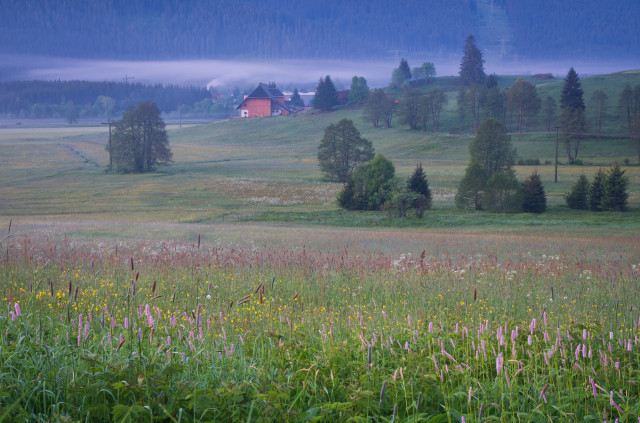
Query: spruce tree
x=615 y=194
x=535 y=199
x=418 y=183
x=405 y=69
x=577 y=198
x=572 y=116
x=326 y=95
x=472 y=64
x=296 y=99
x=596 y=191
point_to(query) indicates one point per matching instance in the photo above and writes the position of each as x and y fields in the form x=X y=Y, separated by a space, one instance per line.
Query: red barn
x=264 y=101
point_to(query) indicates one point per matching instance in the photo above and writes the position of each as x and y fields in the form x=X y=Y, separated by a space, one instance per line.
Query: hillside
x=169 y=29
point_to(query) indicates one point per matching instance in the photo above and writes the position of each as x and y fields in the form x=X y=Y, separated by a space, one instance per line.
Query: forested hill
x=178 y=29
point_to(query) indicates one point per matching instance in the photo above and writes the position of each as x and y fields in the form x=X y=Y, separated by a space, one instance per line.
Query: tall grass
x=164 y=330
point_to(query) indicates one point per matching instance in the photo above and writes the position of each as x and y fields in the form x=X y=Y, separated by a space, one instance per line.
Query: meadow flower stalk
x=382 y=392
x=499 y=363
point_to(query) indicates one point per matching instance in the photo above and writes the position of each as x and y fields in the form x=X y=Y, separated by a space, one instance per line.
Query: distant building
x=264 y=101
x=307 y=98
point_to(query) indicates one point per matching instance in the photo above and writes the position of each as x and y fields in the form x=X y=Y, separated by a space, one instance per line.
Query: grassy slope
x=266 y=169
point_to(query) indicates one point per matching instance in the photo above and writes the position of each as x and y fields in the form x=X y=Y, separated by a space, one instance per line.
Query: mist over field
x=301 y=73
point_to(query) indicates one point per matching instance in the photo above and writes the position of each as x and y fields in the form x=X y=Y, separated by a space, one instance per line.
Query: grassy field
x=230 y=287
x=319 y=324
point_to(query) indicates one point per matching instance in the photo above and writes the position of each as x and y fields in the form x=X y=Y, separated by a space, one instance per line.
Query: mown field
x=230 y=287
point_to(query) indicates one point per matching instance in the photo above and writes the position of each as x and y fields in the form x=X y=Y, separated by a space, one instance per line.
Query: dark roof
x=264 y=91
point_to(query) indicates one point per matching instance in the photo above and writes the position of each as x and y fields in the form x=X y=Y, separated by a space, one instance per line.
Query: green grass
x=320 y=324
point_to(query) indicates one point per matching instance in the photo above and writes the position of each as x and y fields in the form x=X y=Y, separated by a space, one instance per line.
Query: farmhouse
x=264 y=101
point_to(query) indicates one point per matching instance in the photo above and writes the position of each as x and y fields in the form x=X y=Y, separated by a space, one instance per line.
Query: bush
x=401 y=198
x=535 y=199
x=577 y=198
x=369 y=186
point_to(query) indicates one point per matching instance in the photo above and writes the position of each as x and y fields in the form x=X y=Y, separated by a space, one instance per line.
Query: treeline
x=162 y=29
x=142 y=29
x=585 y=29
x=47 y=99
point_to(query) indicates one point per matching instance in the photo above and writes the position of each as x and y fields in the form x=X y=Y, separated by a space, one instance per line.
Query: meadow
x=312 y=324
x=230 y=287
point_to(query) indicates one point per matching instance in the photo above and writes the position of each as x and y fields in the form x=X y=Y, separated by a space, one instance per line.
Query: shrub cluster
x=374 y=186
x=607 y=192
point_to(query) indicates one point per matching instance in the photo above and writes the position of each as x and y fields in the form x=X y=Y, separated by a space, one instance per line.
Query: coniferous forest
x=163 y=29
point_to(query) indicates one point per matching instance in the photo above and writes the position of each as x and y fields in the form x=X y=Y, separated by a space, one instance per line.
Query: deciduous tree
x=139 y=141
x=549 y=108
x=359 y=91
x=503 y=193
x=599 y=104
x=472 y=187
x=523 y=97
x=425 y=72
x=379 y=108
x=492 y=149
x=369 y=186
x=342 y=148
x=409 y=108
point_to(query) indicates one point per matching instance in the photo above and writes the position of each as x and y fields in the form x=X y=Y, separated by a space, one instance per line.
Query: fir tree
x=577 y=198
x=535 y=199
x=596 y=191
x=326 y=95
x=418 y=183
x=405 y=69
x=472 y=64
x=615 y=194
x=296 y=99
x=572 y=117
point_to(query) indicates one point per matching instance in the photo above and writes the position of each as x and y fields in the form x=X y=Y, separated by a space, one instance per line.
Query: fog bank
x=302 y=73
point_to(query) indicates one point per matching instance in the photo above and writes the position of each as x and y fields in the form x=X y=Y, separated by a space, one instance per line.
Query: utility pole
x=555 y=179
x=110 y=151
